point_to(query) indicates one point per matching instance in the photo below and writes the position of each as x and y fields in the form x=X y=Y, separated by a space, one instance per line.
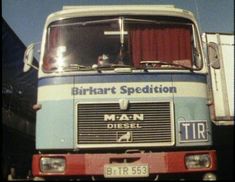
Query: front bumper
x=93 y=164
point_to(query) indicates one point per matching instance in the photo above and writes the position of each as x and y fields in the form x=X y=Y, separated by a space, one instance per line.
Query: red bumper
x=93 y=164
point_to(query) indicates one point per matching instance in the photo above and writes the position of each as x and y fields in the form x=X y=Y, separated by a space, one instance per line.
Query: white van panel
x=222 y=79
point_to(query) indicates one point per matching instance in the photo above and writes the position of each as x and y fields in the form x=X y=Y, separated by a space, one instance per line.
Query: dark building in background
x=19 y=93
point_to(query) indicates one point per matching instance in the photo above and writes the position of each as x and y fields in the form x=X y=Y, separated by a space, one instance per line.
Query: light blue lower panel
x=55 y=125
x=192 y=120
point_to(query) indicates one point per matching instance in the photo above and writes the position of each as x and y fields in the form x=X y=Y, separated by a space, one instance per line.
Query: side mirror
x=28 y=58
x=197 y=58
x=213 y=55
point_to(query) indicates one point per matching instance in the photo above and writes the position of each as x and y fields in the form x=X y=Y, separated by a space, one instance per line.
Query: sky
x=27 y=17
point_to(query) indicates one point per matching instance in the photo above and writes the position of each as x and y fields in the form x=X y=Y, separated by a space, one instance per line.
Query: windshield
x=82 y=43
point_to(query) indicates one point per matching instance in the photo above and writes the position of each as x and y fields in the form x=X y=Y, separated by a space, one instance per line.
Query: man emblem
x=123 y=104
x=126 y=137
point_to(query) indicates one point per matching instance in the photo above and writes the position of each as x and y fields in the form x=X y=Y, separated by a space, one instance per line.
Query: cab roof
x=113 y=10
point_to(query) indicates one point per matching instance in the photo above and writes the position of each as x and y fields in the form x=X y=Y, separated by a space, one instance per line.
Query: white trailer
x=219 y=48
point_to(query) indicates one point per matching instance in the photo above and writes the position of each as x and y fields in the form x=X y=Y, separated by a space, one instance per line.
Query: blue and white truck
x=129 y=92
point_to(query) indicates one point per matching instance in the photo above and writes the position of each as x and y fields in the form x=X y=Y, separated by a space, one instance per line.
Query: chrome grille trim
x=159 y=126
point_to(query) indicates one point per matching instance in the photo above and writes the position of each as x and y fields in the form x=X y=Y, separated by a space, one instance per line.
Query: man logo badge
x=124 y=136
x=123 y=104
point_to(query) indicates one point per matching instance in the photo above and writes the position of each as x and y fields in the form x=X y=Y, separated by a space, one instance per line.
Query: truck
x=128 y=92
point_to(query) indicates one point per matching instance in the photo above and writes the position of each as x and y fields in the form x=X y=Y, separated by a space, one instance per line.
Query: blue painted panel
x=55 y=129
x=55 y=80
x=192 y=110
x=133 y=77
x=55 y=125
x=189 y=77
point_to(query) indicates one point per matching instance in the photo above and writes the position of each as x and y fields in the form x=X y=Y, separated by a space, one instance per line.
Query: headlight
x=52 y=164
x=197 y=161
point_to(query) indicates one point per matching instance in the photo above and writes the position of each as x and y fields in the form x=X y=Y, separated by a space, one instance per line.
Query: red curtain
x=158 y=42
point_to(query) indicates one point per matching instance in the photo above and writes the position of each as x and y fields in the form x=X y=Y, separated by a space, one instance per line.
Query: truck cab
x=122 y=93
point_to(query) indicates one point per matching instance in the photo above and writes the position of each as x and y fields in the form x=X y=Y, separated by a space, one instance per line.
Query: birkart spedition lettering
x=122 y=93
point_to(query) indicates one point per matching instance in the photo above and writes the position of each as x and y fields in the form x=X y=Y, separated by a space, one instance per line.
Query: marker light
x=52 y=164
x=197 y=161
x=209 y=177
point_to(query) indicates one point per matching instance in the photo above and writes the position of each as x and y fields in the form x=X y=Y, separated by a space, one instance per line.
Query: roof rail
x=90 y=6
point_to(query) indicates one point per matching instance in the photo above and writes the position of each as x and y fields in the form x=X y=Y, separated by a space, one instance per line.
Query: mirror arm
x=35 y=67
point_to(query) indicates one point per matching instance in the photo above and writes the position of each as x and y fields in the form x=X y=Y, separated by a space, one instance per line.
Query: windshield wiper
x=96 y=66
x=151 y=63
x=75 y=67
x=115 y=67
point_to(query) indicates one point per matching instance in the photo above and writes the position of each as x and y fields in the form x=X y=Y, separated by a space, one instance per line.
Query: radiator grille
x=143 y=123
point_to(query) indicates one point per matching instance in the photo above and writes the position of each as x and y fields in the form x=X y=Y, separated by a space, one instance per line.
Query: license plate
x=126 y=170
